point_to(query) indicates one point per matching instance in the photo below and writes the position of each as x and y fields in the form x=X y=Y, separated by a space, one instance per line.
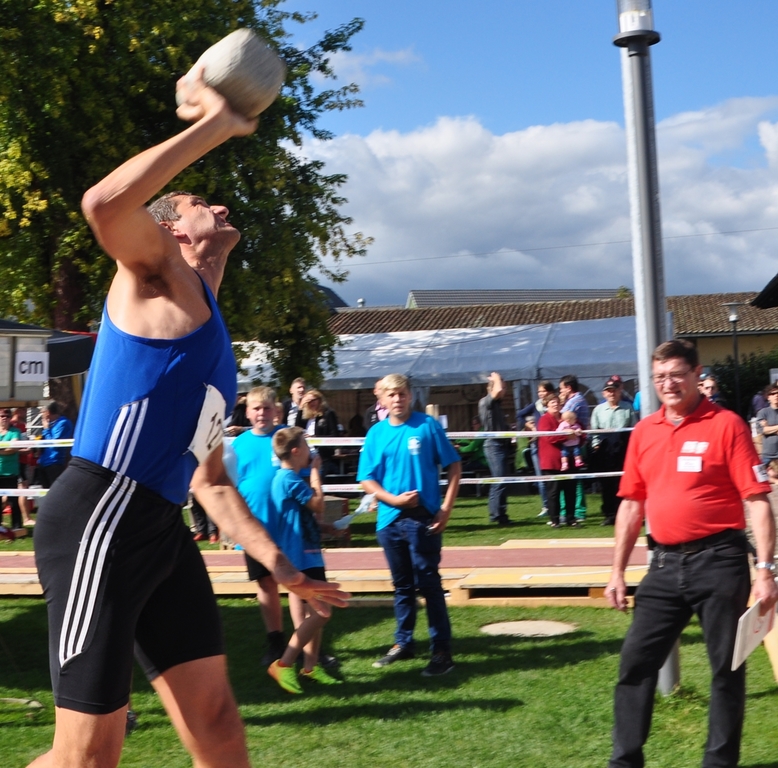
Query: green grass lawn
x=469 y=525
x=534 y=703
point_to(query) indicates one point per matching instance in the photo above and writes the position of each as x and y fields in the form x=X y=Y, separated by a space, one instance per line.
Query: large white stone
x=243 y=69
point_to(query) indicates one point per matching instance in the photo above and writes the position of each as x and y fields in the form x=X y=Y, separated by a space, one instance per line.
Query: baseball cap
x=613 y=382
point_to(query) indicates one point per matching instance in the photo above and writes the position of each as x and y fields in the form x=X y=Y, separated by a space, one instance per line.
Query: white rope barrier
x=357 y=488
x=358 y=441
x=354 y=441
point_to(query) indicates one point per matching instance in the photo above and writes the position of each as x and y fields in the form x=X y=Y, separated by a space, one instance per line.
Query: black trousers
x=714 y=584
x=610 y=499
x=12 y=481
x=202 y=523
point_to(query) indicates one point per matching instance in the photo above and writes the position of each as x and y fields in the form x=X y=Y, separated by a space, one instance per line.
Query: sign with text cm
x=31 y=366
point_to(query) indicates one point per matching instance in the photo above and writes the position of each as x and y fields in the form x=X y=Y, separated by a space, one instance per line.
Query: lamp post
x=636 y=35
x=734 y=316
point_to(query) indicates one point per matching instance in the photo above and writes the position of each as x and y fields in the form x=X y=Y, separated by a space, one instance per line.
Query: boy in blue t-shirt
x=256 y=466
x=297 y=505
x=399 y=464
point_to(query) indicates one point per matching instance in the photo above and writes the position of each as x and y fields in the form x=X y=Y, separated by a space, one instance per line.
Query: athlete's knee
x=88 y=741
x=220 y=729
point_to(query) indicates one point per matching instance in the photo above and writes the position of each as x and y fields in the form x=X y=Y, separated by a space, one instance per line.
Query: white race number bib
x=210 y=426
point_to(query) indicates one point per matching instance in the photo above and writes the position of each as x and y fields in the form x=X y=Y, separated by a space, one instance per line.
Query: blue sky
x=498 y=129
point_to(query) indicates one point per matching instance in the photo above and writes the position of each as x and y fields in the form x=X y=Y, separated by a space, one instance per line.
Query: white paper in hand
x=364 y=506
x=343 y=522
x=751 y=630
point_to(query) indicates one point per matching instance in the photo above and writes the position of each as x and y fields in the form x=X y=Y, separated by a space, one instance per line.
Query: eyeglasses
x=5 y=415
x=674 y=377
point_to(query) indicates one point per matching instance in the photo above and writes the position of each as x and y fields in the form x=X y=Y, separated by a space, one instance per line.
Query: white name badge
x=690 y=463
x=760 y=473
x=210 y=426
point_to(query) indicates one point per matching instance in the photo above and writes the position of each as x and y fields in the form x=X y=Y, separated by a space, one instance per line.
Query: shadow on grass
x=24 y=655
x=771 y=694
x=352 y=636
x=774 y=764
x=338 y=712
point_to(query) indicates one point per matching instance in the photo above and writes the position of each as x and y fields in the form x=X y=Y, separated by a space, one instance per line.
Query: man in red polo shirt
x=689 y=467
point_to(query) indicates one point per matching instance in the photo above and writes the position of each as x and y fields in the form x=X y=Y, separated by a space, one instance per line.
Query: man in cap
x=767 y=425
x=609 y=450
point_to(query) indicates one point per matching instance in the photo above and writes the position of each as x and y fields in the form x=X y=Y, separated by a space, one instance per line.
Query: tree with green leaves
x=87 y=84
x=753 y=373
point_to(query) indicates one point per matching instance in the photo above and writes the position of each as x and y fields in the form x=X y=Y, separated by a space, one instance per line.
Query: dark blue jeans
x=413 y=556
x=496 y=454
x=714 y=584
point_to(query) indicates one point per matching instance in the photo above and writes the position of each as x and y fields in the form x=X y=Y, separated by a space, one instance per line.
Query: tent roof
x=591 y=350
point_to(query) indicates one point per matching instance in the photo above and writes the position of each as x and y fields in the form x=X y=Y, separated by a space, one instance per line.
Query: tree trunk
x=69 y=294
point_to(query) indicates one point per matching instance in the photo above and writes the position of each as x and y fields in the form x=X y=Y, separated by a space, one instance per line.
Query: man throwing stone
x=689 y=467
x=117 y=564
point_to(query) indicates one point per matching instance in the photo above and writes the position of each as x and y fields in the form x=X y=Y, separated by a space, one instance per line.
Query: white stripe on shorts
x=88 y=571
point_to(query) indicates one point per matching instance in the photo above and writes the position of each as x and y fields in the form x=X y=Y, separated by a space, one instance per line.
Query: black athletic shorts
x=119 y=572
x=316 y=573
x=256 y=570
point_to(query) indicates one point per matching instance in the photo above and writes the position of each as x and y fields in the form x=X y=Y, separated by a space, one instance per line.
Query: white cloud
x=456 y=188
x=360 y=68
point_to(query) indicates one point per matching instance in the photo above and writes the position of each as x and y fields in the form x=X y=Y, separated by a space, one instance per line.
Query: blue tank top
x=143 y=399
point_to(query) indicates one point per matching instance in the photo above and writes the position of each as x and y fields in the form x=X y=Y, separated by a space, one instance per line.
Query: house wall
x=716 y=349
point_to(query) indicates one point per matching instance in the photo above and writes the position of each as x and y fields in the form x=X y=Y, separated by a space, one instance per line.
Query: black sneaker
x=327 y=661
x=276 y=645
x=395 y=653
x=131 y=722
x=440 y=664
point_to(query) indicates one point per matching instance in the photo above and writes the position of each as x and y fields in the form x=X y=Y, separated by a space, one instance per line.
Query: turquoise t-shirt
x=406 y=458
x=9 y=465
x=299 y=537
x=256 y=467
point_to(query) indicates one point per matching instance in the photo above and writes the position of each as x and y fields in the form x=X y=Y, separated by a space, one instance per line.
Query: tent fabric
x=592 y=350
x=69 y=353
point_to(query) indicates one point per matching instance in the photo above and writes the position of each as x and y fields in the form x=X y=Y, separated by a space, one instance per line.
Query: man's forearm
x=136 y=181
x=226 y=507
x=763 y=526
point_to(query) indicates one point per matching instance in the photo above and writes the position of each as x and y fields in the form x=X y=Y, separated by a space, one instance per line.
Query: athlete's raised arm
x=115 y=206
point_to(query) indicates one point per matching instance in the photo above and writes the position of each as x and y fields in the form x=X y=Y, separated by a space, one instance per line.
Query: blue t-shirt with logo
x=406 y=458
x=257 y=465
x=299 y=537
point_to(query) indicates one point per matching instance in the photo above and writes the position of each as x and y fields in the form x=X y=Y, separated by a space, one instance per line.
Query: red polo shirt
x=694 y=476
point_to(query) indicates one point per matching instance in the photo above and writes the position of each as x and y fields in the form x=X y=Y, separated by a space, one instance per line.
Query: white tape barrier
x=356 y=487
x=349 y=441
x=39 y=443
x=354 y=441
x=358 y=441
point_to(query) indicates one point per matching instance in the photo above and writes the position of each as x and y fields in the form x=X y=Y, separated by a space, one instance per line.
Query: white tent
x=589 y=349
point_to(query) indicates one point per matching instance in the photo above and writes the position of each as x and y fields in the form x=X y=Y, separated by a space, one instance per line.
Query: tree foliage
x=87 y=84
x=753 y=375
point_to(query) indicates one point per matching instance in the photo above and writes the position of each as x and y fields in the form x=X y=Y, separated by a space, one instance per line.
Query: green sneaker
x=320 y=675
x=286 y=677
